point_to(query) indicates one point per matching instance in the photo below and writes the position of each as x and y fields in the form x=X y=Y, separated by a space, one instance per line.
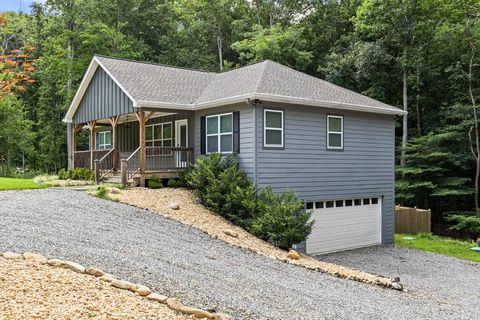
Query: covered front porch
x=131 y=147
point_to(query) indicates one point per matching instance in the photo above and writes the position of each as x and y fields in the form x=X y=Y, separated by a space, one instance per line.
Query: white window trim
x=153 y=140
x=334 y=132
x=265 y=128
x=104 y=146
x=218 y=134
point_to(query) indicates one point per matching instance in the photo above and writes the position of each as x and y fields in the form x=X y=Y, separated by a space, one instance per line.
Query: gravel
x=180 y=261
x=446 y=279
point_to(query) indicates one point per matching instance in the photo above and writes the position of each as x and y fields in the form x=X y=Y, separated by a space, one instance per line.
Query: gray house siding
x=246 y=159
x=102 y=99
x=364 y=168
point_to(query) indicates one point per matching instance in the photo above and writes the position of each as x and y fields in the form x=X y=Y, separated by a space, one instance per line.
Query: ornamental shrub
x=468 y=222
x=224 y=188
x=173 y=183
x=227 y=191
x=282 y=219
x=155 y=182
x=76 y=174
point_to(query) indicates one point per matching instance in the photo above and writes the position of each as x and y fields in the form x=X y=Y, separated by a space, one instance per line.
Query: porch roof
x=160 y=86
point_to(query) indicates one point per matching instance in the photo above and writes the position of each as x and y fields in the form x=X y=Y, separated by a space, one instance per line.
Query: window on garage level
x=273 y=128
x=334 y=132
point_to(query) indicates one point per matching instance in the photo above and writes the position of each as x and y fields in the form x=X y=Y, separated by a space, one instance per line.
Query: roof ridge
x=262 y=74
x=154 y=64
x=327 y=82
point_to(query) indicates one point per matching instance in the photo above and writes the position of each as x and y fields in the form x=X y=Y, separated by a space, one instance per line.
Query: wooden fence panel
x=412 y=220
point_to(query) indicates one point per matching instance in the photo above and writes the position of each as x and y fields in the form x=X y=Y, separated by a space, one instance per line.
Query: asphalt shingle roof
x=166 y=84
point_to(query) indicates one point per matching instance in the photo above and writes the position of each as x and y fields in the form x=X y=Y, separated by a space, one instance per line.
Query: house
x=292 y=131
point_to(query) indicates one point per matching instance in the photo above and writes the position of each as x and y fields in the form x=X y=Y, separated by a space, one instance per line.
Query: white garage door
x=344 y=224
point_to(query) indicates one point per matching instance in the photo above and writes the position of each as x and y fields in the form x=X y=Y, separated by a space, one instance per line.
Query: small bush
x=155 y=182
x=282 y=219
x=468 y=222
x=76 y=174
x=224 y=188
x=173 y=183
x=62 y=174
x=102 y=192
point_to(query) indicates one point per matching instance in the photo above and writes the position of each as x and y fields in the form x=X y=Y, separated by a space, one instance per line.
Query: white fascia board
x=272 y=98
x=327 y=104
x=84 y=85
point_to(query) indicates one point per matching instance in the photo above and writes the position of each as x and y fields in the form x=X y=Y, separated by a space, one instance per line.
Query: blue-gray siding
x=364 y=168
x=246 y=160
x=102 y=99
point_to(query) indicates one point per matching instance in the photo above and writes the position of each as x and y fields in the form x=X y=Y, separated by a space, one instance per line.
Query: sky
x=17 y=5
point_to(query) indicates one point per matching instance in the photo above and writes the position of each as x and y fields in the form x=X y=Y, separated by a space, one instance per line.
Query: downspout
x=253 y=103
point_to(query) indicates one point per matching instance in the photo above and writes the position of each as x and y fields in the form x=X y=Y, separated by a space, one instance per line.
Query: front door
x=181 y=140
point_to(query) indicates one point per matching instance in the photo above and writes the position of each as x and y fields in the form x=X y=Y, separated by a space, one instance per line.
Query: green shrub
x=468 y=222
x=102 y=192
x=173 y=183
x=282 y=219
x=76 y=174
x=155 y=182
x=224 y=188
x=62 y=174
x=227 y=191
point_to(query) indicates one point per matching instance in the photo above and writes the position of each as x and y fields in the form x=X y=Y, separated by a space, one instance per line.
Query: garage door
x=344 y=224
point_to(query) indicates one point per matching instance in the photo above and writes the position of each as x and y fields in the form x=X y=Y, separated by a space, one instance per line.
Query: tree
x=283 y=45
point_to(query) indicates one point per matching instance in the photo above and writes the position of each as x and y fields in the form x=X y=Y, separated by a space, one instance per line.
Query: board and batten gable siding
x=245 y=157
x=364 y=168
x=102 y=99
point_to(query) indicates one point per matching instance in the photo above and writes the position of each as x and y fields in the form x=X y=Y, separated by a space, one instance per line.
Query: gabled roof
x=154 y=85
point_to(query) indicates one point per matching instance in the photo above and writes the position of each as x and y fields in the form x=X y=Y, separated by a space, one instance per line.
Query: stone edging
x=139 y=289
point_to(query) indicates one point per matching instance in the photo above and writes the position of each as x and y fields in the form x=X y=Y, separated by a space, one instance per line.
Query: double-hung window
x=104 y=140
x=158 y=135
x=334 y=132
x=219 y=131
x=273 y=128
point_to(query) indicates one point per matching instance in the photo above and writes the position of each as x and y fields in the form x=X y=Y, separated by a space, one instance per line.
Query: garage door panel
x=371 y=232
x=362 y=230
x=333 y=221
x=343 y=228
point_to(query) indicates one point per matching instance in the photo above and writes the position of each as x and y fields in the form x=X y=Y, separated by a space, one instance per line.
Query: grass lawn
x=17 y=184
x=442 y=245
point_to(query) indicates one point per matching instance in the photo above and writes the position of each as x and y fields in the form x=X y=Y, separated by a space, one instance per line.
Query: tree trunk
x=220 y=49
x=419 y=115
x=405 y=118
x=259 y=12
x=70 y=45
x=475 y=125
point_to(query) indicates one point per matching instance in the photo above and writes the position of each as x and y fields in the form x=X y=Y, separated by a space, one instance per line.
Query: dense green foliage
x=282 y=219
x=226 y=190
x=76 y=174
x=442 y=245
x=154 y=182
x=468 y=222
x=423 y=54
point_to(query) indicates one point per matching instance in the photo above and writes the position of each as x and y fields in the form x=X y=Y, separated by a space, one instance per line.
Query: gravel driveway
x=181 y=261
x=448 y=280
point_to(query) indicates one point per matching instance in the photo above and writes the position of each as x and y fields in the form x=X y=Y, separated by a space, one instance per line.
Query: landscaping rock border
x=139 y=289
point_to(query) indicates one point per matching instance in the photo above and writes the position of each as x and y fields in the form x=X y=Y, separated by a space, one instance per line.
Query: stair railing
x=131 y=166
x=104 y=165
